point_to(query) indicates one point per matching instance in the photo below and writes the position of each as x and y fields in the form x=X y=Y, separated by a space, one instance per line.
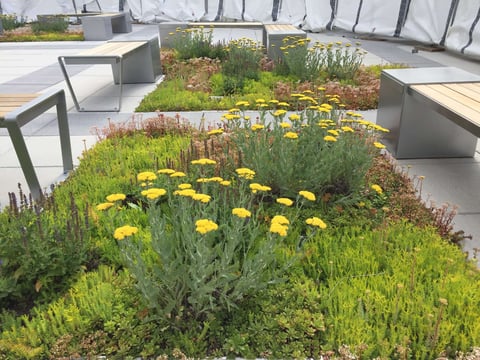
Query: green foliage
x=196 y=43
x=41 y=249
x=99 y=300
x=241 y=63
x=321 y=61
x=11 y=22
x=41 y=37
x=363 y=287
x=315 y=158
x=51 y=24
x=186 y=272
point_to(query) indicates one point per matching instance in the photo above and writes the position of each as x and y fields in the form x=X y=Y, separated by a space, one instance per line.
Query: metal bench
x=103 y=26
x=430 y=112
x=16 y=110
x=273 y=35
x=132 y=62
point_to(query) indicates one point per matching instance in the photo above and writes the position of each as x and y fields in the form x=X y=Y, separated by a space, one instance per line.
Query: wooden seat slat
x=113 y=49
x=465 y=106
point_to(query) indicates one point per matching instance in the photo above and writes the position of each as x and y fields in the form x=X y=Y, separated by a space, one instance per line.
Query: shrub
x=11 y=22
x=51 y=24
x=196 y=43
x=321 y=61
x=41 y=249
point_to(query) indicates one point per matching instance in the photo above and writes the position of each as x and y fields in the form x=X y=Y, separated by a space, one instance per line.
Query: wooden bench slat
x=470 y=89
x=456 y=102
x=112 y=49
x=11 y=102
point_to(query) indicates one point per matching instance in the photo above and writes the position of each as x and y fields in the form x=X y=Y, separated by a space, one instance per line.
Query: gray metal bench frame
x=103 y=26
x=132 y=62
x=273 y=35
x=21 y=115
x=430 y=112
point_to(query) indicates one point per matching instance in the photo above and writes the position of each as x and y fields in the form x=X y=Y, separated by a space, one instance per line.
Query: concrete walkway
x=33 y=67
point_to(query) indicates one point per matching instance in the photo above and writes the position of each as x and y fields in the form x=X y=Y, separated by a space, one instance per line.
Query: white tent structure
x=454 y=24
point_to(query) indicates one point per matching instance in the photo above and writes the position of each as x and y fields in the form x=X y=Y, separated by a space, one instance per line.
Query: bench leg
x=16 y=119
x=117 y=68
x=64 y=133
x=25 y=161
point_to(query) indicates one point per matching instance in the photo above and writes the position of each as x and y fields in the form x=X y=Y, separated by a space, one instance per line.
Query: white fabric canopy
x=452 y=23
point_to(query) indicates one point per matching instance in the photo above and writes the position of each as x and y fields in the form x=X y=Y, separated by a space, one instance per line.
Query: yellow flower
x=215 y=132
x=184 y=186
x=166 y=171
x=260 y=101
x=294 y=117
x=280 y=219
x=153 y=193
x=225 y=183
x=185 y=192
x=245 y=173
x=257 y=187
x=347 y=129
x=285 y=125
x=315 y=221
x=242 y=103
x=379 y=145
x=115 y=197
x=178 y=174
x=256 y=127
x=146 y=176
x=283 y=103
x=307 y=195
x=291 y=135
x=279 y=113
x=330 y=138
x=104 y=206
x=203 y=161
x=332 y=132
x=279 y=229
x=124 y=231
x=241 y=212
x=377 y=189
x=204 y=225
x=285 y=201
x=204 y=198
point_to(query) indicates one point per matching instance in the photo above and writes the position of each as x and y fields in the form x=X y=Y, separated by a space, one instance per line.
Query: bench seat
x=16 y=110
x=430 y=112
x=131 y=61
x=103 y=26
x=458 y=101
x=273 y=35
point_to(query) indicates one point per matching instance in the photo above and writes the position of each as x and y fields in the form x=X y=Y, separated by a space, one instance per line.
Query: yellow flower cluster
x=203 y=198
x=245 y=173
x=255 y=187
x=208 y=180
x=285 y=201
x=256 y=127
x=204 y=226
x=307 y=195
x=203 y=161
x=104 y=206
x=115 y=197
x=291 y=135
x=215 y=132
x=146 y=176
x=315 y=221
x=279 y=225
x=153 y=193
x=241 y=212
x=377 y=188
x=123 y=231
